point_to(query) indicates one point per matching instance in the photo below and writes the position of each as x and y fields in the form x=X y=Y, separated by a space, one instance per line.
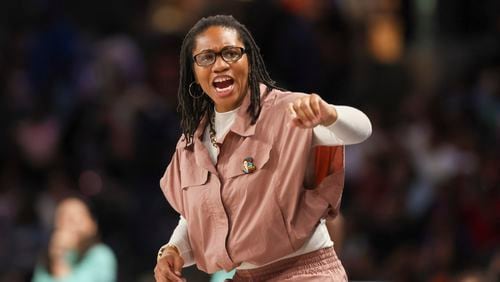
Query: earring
x=191 y=94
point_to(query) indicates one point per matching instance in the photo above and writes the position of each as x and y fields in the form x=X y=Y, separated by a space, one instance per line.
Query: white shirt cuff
x=180 y=239
x=351 y=127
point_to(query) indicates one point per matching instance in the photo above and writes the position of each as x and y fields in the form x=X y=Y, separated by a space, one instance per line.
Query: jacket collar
x=243 y=124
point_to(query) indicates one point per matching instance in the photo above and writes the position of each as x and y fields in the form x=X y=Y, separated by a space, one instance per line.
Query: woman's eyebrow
x=212 y=49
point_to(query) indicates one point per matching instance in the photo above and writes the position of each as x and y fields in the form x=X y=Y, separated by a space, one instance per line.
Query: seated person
x=75 y=252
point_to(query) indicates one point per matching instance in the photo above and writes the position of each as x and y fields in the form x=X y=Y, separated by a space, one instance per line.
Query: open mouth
x=223 y=84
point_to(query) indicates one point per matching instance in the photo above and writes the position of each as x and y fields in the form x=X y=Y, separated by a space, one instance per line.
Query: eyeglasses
x=229 y=54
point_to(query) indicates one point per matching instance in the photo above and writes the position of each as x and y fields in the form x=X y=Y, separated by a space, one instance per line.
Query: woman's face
x=226 y=83
x=73 y=215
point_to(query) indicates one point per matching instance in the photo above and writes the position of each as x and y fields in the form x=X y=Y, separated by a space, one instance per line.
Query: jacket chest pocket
x=194 y=177
x=195 y=193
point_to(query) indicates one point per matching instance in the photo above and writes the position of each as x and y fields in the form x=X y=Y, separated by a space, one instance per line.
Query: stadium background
x=88 y=104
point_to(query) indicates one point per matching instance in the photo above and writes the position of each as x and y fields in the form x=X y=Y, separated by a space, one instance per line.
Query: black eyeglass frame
x=220 y=54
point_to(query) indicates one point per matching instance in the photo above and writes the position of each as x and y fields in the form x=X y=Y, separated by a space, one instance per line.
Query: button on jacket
x=254 y=217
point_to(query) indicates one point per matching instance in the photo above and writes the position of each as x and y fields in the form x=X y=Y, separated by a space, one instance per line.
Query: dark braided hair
x=193 y=109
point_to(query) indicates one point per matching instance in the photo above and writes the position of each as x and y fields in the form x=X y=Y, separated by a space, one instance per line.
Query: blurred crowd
x=88 y=104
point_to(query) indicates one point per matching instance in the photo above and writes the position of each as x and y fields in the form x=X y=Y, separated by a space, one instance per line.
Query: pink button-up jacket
x=261 y=216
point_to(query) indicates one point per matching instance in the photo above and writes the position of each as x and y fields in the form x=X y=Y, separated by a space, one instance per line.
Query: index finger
x=315 y=104
x=158 y=276
x=292 y=111
x=165 y=270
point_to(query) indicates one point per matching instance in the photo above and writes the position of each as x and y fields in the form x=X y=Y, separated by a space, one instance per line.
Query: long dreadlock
x=193 y=109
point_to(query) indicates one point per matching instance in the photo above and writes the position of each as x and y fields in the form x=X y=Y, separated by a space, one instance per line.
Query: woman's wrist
x=167 y=248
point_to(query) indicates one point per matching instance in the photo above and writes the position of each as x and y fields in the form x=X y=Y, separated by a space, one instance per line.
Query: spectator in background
x=75 y=252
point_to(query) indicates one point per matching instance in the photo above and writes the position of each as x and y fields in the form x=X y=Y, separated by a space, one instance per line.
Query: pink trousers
x=320 y=265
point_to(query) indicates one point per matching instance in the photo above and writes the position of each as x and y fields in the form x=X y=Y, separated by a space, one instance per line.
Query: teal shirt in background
x=98 y=265
x=221 y=275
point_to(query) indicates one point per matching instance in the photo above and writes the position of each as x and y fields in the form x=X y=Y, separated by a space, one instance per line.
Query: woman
x=74 y=252
x=239 y=175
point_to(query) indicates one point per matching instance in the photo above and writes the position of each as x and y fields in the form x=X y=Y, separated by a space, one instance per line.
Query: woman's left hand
x=62 y=241
x=310 y=111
